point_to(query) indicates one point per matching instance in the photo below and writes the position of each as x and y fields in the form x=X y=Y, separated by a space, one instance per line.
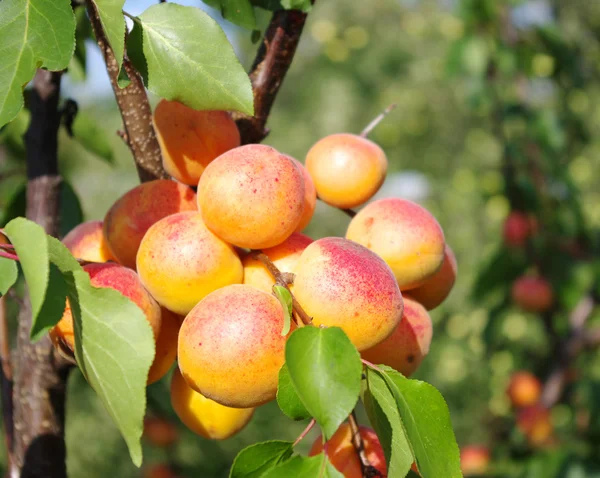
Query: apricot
x=166 y=345
x=435 y=289
x=474 y=460
x=524 y=389
x=284 y=256
x=518 y=227
x=409 y=343
x=310 y=197
x=252 y=196
x=230 y=346
x=347 y=169
x=341 y=283
x=180 y=262
x=342 y=454
x=114 y=276
x=159 y=471
x=405 y=235
x=532 y=294
x=86 y=241
x=535 y=423
x=190 y=139
x=132 y=215
x=160 y=432
x=203 y=416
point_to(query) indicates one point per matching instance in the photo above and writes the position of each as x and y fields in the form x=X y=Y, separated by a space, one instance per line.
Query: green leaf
x=311 y=467
x=285 y=298
x=13 y=134
x=135 y=51
x=71 y=213
x=92 y=136
x=426 y=421
x=304 y=5
x=288 y=399
x=238 y=12
x=321 y=361
x=33 y=34
x=83 y=32
x=8 y=274
x=382 y=411
x=255 y=460
x=16 y=205
x=114 y=347
x=113 y=24
x=190 y=60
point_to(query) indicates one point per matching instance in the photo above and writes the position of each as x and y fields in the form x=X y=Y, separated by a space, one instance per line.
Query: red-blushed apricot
x=160 y=432
x=474 y=460
x=180 y=262
x=159 y=471
x=132 y=215
x=524 y=389
x=532 y=294
x=166 y=345
x=190 y=139
x=409 y=343
x=536 y=424
x=310 y=197
x=252 y=196
x=284 y=256
x=405 y=235
x=86 y=241
x=343 y=456
x=113 y=276
x=230 y=346
x=347 y=169
x=518 y=227
x=203 y=416
x=435 y=289
x=341 y=283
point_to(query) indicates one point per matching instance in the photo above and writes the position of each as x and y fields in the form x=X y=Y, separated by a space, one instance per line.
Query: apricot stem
x=305 y=432
x=378 y=119
x=368 y=470
x=283 y=280
x=8 y=255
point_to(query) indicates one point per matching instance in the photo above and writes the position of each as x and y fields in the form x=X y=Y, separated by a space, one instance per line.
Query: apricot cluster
x=200 y=264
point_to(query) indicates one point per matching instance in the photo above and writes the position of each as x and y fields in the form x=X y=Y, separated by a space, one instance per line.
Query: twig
x=8 y=255
x=272 y=62
x=368 y=470
x=378 y=119
x=6 y=381
x=308 y=428
x=283 y=279
x=133 y=105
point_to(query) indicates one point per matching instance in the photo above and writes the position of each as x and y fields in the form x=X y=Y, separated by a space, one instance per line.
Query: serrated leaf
x=285 y=298
x=305 y=467
x=190 y=60
x=113 y=24
x=321 y=361
x=83 y=32
x=135 y=51
x=288 y=399
x=33 y=34
x=114 y=348
x=8 y=274
x=88 y=133
x=238 y=12
x=255 y=460
x=71 y=213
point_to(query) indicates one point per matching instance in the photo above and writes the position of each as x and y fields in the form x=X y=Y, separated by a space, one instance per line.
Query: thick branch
x=272 y=62
x=134 y=107
x=6 y=381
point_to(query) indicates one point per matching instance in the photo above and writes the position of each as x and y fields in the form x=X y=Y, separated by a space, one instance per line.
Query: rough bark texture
x=39 y=378
x=272 y=62
x=6 y=378
x=134 y=107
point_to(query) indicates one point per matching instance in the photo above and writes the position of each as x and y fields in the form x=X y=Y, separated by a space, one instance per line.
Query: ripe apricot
x=532 y=294
x=310 y=197
x=284 y=256
x=518 y=227
x=435 y=289
x=116 y=277
x=341 y=283
x=347 y=169
x=132 y=215
x=160 y=432
x=230 y=346
x=474 y=460
x=405 y=235
x=166 y=345
x=180 y=261
x=190 y=139
x=524 y=389
x=535 y=423
x=342 y=454
x=86 y=241
x=409 y=343
x=203 y=416
x=252 y=196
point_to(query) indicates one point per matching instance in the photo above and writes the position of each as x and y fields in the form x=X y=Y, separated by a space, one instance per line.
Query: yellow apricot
x=347 y=169
x=341 y=283
x=435 y=289
x=252 y=196
x=310 y=197
x=190 y=139
x=230 y=346
x=180 y=262
x=203 y=416
x=86 y=241
x=166 y=345
x=405 y=235
x=132 y=215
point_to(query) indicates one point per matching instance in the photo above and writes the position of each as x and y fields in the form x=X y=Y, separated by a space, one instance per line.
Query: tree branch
x=6 y=381
x=368 y=470
x=134 y=107
x=272 y=62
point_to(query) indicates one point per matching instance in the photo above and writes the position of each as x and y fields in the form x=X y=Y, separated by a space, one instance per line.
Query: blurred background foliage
x=498 y=109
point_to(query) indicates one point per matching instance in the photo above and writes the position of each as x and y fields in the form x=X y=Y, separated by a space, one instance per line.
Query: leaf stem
x=370 y=365
x=378 y=119
x=8 y=255
x=305 y=432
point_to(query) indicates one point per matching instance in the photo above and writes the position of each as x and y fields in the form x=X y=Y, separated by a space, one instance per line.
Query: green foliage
x=92 y=137
x=239 y=12
x=9 y=274
x=254 y=461
x=284 y=296
x=113 y=24
x=288 y=400
x=312 y=467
